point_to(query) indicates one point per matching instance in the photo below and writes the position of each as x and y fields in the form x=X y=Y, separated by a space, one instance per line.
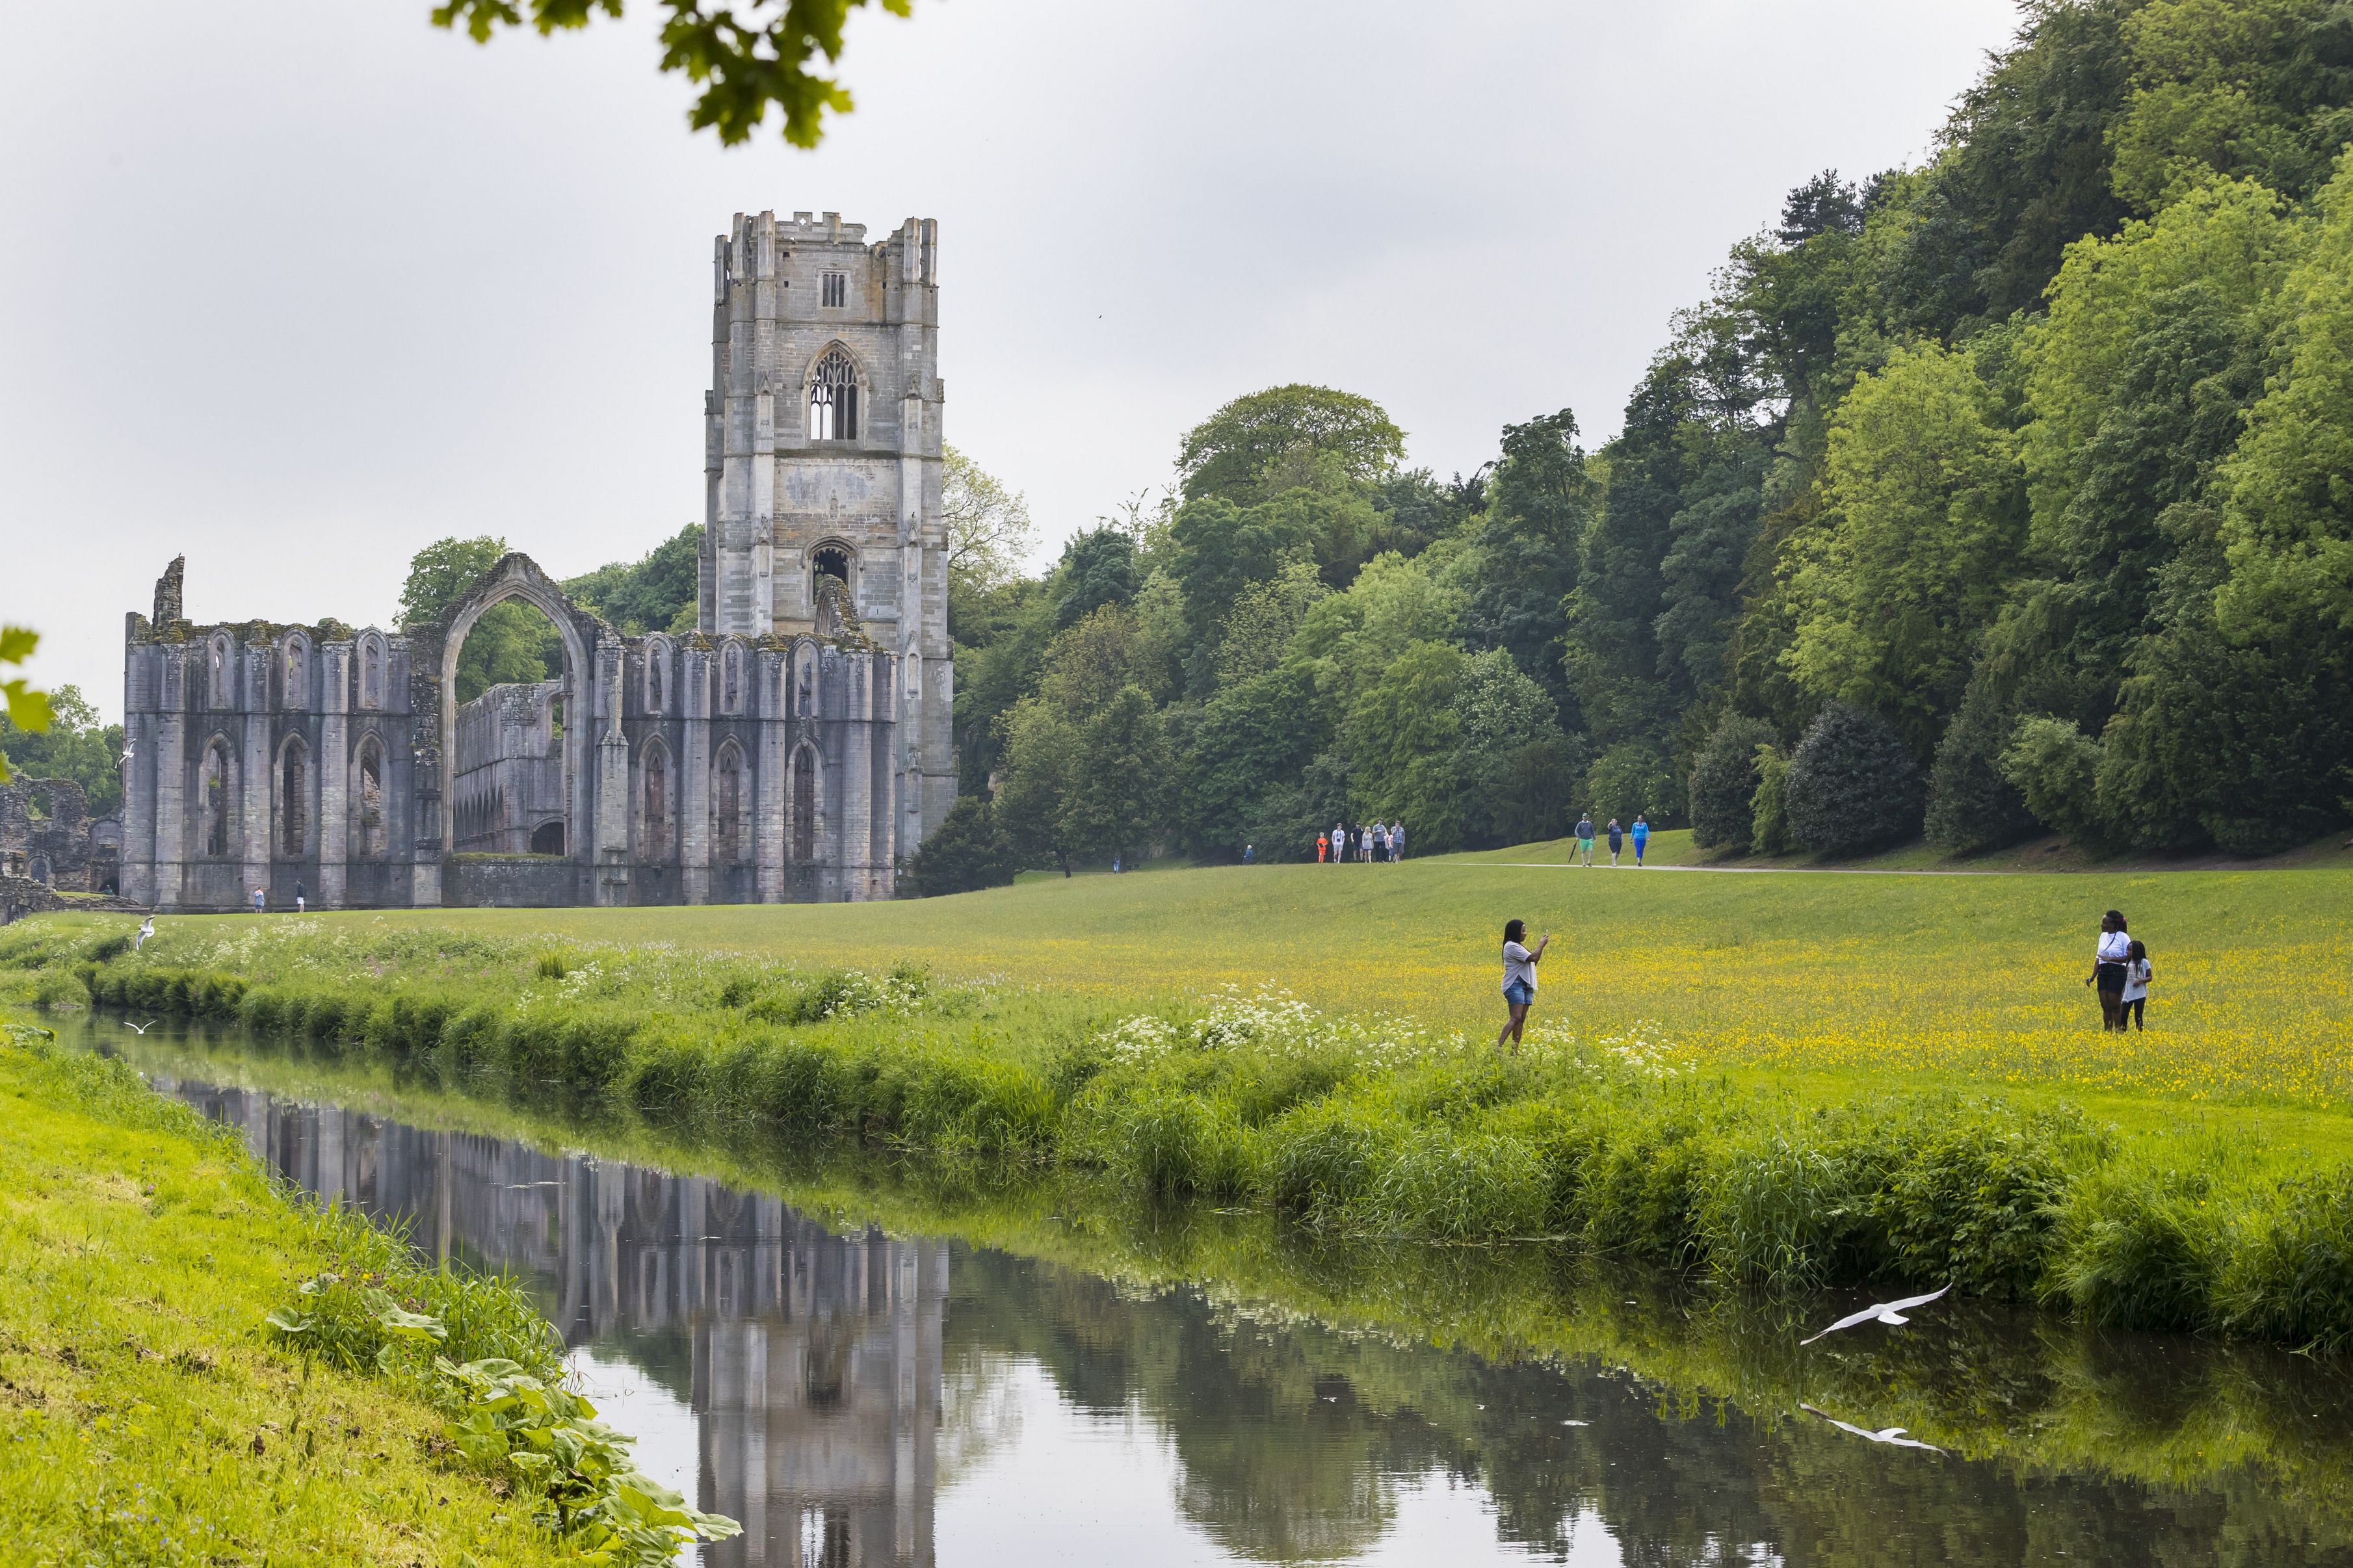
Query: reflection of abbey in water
x=812 y=1360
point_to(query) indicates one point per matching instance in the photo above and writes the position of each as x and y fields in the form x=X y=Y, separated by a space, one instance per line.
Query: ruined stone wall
x=48 y=835
x=309 y=759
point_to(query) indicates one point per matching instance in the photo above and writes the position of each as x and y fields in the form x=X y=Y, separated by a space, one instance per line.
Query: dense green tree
x=1400 y=736
x=77 y=744
x=1217 y=550
x=1918 y=540
x=1231 y=454
x=1631 y=779
x=1098 y=567
x=658 y=594
x=1115 y=805
x=1255 y=736
x=1527 y=548
x=1514 y=767
x=2255 y=88
x=511 y=642
x=1972 y=806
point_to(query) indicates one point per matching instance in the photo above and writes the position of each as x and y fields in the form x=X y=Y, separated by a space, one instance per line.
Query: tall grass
x=1356 y=1126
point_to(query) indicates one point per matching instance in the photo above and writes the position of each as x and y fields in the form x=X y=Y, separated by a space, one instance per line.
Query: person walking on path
x=2137 y=975
x=1249 y=854
x=1365 y=844
x=2109 y=959
x=1396 y=841
x=1323 y=849
x=1519 y=977
x=1585 y=839
x=300 y=900
x=256 y=900
x=1381 y=840
x=1339 y=844
x=1616 y=839
x=1642 y=838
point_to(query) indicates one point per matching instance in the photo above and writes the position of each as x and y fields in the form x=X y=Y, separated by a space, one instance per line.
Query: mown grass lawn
x=1838 y=977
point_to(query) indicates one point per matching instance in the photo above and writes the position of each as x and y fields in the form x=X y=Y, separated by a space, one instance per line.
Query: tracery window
x=220 y=670
x=370 y=672
x=833 y=397
x=295 y=660
x=731 y=676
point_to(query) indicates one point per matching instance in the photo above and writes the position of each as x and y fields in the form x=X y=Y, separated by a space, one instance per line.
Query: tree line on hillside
x=2004 y=493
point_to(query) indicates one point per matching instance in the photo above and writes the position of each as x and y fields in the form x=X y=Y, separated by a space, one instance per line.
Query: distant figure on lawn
x=1642 y=838
x=1585 y=839
x=1381 y=840
x=2108 y=960
x=1323 y=849
x=1396 y=841
x=1519 y=976
x=2137 y=975
x=1616 y=839
x=1339 y=843
x=1249 y=854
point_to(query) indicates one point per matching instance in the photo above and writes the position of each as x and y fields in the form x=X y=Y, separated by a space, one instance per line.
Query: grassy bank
x=1629 y=1145
x=2267 y=1436
x=195 y=1368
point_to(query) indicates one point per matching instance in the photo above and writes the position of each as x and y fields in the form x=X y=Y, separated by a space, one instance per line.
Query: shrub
x=968 y=850
x=1971 y=806
x=1320 y=1158
x=2139 y=1250
x=2290 y=1276
x=1448 y=1183
x=2056 y=767
x=1724 y=779
x=1851 y=785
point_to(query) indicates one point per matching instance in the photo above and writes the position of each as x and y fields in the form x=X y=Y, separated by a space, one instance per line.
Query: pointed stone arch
x=833 y=391
x=293 y=783
x=518 y=577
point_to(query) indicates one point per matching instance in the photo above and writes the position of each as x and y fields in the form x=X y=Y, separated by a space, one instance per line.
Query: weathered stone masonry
x=793 y=748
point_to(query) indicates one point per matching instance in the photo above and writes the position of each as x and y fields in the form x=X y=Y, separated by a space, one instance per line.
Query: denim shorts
x=1519 y=994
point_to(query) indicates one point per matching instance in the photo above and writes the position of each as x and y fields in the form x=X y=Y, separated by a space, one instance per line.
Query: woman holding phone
x=1519 y=976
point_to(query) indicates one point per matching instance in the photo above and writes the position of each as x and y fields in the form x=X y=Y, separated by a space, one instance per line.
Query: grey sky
x=297 y=286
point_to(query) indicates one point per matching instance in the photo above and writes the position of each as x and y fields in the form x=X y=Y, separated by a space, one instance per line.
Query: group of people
x=1378 y=841
x=1617 y=837
x=2121 y=969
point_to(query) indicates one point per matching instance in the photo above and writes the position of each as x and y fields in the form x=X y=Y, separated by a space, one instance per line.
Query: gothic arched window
x=654 y=840
x=294 y=788
x=297 y=656
x=833 y=397
x=730 y=803
x=221 y=654
x=372 y=836
x=213 y=782
x=805 y=807
x=370 y=672
x=731 y=676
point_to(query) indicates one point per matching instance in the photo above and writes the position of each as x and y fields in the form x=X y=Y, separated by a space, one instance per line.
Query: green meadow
x=1786 y=1079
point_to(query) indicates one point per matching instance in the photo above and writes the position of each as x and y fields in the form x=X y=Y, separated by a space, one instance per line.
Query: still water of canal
x=854 y=1397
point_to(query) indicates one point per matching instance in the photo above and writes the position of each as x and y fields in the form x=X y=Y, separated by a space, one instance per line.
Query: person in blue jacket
x=1616 y=840
x=1641 y=837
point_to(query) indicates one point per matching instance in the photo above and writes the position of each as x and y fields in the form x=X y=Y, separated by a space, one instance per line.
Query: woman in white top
x=2108 y=961
x=1519 y=976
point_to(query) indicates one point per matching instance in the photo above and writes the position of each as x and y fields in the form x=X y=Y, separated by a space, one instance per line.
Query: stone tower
x=822 y=459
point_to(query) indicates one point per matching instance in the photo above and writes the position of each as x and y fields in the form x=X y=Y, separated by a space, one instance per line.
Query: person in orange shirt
x=1323 y=848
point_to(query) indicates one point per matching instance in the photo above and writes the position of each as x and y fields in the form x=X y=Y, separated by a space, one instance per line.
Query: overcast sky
x=297 y=286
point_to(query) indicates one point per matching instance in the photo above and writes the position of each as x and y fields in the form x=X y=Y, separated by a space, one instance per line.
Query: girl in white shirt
x=2137 y=975
x=1519 y=977
x=2108 y=961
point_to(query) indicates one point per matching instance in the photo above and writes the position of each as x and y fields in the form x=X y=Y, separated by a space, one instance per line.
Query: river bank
x=194 y=1367
x=1067 y=1267
x=1353 y=1127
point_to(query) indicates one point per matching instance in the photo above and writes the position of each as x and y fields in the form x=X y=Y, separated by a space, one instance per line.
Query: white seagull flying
x=138 y=1028
x=1893 y=1435
x=1885 y=1312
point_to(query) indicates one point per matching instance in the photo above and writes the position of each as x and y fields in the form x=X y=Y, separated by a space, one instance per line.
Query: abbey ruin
x=795 y=746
